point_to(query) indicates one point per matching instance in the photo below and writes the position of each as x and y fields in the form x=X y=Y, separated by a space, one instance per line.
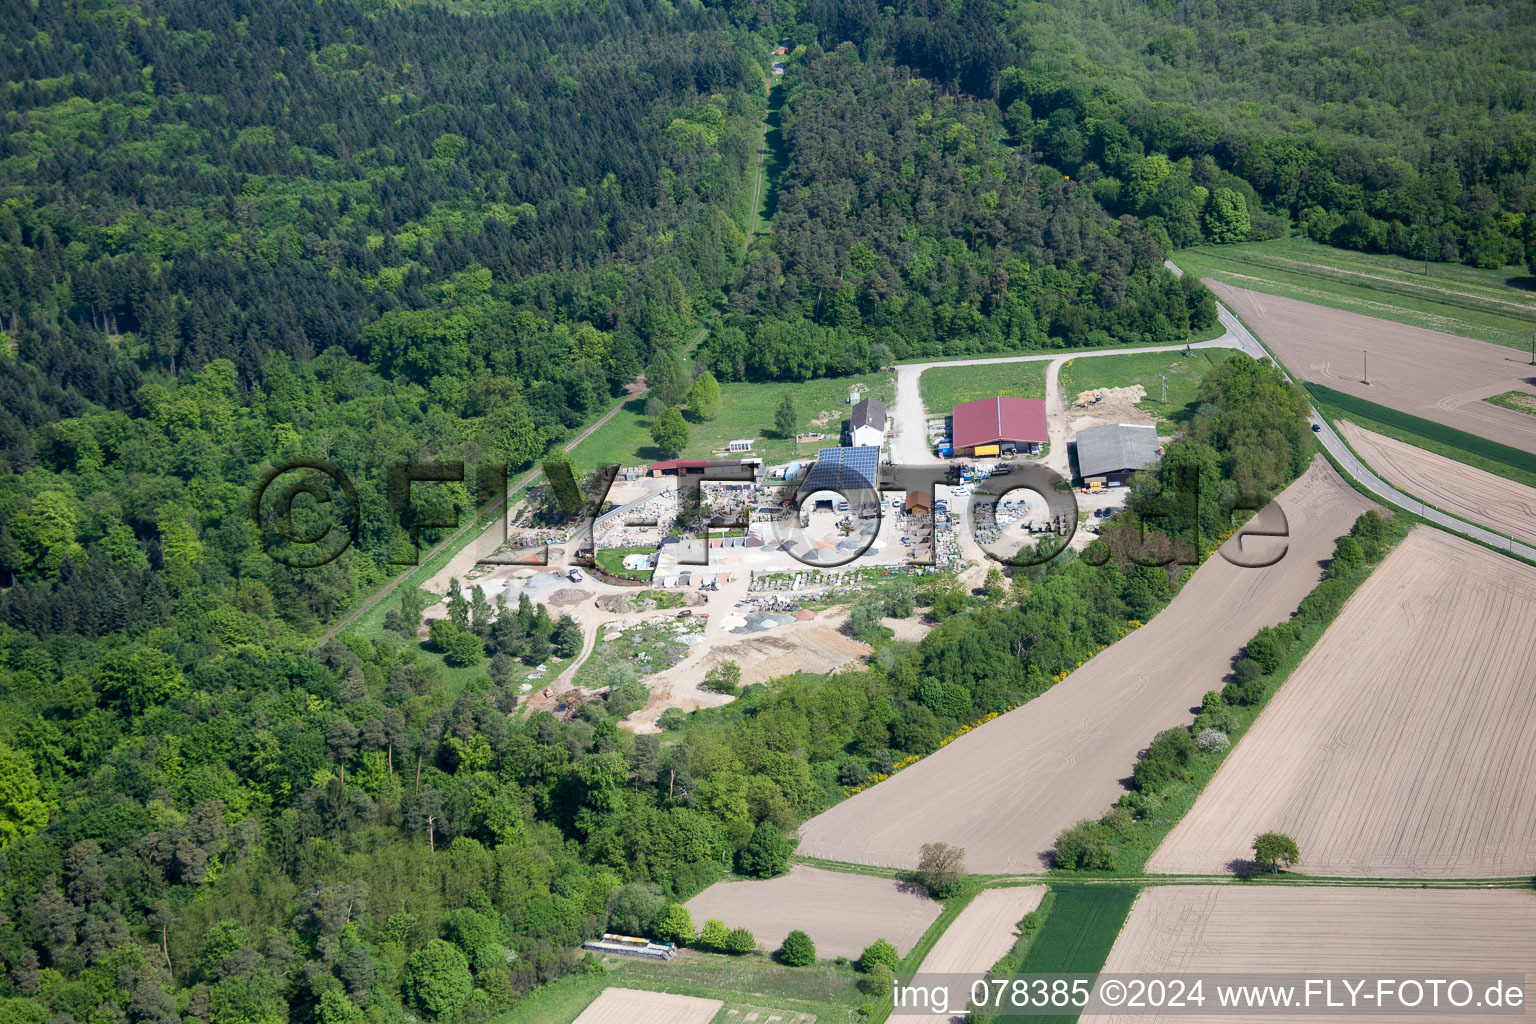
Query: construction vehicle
x=548 y=691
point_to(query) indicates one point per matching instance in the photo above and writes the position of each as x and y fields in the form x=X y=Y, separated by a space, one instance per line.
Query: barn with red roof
x=998 y=425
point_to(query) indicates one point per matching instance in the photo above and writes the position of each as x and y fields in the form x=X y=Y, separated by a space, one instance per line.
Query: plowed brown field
x=1005 y=790
x=1453 y=486
x=1440 y=377
x=1402 y=933
x=984 y=931
x=636 y=1006
x=842 y=913
x=1405 y=743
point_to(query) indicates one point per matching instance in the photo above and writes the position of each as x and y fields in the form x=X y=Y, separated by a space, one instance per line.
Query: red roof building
x=998 y=421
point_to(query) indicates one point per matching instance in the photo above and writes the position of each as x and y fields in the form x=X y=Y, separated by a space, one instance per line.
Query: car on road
x=1317 y=428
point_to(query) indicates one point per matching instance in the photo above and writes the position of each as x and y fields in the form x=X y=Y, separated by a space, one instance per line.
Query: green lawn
x=747 y=411
x=944 y=387
x=1148 y=370
x=1492 y=305
x=612 y=562
x=746 y=983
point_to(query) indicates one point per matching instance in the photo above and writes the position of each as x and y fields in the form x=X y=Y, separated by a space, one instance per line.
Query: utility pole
x=1165 y=388
x=432 y=835
x=1365 y=366
x=1533 y=348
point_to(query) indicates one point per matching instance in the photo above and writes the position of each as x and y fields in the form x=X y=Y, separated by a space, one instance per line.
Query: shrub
x=941 y=867
x=1085 y=847
x=740 y=941
x=1246 y=670
x=723 y=678
x=1211 y=740
x=674 y=925
x=1117 y=819
x=1032 y=920
x=1266 y=649
x=798 y=950
x=1211 y=703
x=879 y=952
x=632 y=908
x=878 y=981
x=1174 y=746
x=852 y=774
x=1150 y=775
x=714 y=936
x=672 y=719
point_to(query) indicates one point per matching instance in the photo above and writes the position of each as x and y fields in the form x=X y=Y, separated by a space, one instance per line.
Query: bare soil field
x=637 y=1006
x=1404 y=744
x=1006 y=789
x=1401 y=933
x=984 y=931
x=842 y=913
x=1437 y=376
x=1457 y=488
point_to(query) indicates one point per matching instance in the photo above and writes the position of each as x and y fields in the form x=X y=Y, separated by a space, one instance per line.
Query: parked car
x=574 y=575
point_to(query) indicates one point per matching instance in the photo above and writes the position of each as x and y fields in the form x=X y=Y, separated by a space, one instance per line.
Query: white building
x=866 y=424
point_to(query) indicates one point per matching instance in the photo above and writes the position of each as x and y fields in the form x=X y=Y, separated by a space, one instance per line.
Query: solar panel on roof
x=844 y=469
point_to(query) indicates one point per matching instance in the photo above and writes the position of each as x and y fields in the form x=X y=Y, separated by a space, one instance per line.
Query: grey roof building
x=1115 y=451
x=868 y=413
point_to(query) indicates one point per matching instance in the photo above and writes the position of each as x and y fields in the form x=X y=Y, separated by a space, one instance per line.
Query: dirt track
x=1005 y=790
x=1403 y=933
x=635 y=1006
x=1436 y=376
x=842 y=913
x=1405 y=743
x=1455 y=487
x=983 y=932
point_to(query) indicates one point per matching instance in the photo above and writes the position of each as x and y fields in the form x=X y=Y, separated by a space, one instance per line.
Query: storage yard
x=1030 y=773
x=1404 y=744
x=1275 y=930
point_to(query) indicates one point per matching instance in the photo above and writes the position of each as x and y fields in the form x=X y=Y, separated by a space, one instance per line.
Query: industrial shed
x=1109 y=455
x=993 y=426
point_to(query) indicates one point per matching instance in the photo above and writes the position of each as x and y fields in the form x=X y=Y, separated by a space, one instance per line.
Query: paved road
x=1243 y=339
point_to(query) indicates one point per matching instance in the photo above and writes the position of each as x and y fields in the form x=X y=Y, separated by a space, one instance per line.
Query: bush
x=714 y=936
x=766 y=853
x=672 y=719
x=1085 y=847
x=941 y=867
x=632 y=908
x=1117 y=819
x=878 y=981
x=1246 y=670
x=852 y=774
x=1032 y=920
x=723 y=678
x=1211 y=740
x=1266 y=649
x=798 y=950
x=675 y=925
x=879 y=952
x=740 y=941
x=1150 y=775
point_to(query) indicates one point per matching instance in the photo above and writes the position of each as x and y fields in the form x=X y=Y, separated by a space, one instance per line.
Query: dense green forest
x=1408 y=129
x=379 y=231
x=905 y=227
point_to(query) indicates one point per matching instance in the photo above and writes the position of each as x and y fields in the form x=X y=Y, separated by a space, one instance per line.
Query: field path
x=1005 y=790
x=1405 y=742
